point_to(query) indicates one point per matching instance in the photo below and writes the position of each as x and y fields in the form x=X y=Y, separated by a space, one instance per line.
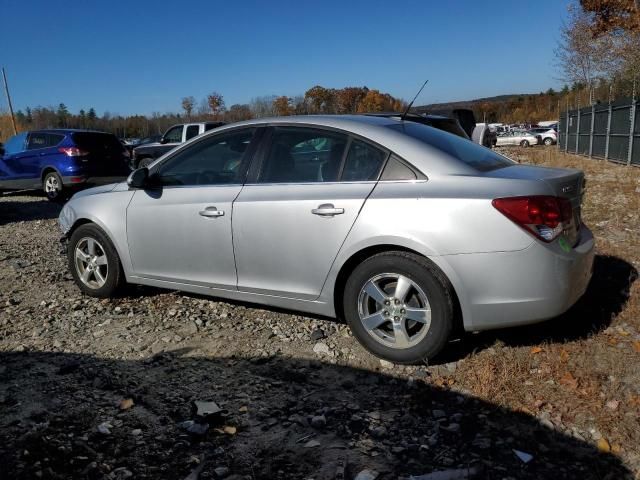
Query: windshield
x=472 y=154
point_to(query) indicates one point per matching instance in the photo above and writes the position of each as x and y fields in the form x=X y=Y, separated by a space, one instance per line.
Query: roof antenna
x=414 y=99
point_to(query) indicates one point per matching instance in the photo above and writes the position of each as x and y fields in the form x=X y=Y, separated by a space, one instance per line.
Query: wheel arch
x=361 y=255
x=47 y=169
x=85 y=220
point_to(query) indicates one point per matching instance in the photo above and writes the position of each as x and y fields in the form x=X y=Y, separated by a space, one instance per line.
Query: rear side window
x=396 y=170
x=94 y=142
x=192 y=131
x=303 y=155
x=37 y=140
x=465 y=151
x=363 y=162
x=53 y=139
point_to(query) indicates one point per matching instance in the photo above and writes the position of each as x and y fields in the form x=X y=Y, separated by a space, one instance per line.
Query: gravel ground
x=108 y=389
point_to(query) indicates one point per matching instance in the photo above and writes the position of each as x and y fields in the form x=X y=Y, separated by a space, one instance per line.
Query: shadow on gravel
x=605 y=298
x=20 y=211
x=51 y=406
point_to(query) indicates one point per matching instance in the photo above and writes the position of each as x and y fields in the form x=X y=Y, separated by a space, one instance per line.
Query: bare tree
x=581 y=58
x=187 y=105
x=216 y=103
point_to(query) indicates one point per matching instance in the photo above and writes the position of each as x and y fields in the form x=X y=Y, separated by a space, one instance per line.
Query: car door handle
x=327 y=210
x=211 y=212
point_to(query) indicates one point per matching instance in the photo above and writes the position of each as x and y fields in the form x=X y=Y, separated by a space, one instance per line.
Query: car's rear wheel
x=52 y=186
x=94 y=262
x=524 y=143
x=399 y=306
x=548 y=141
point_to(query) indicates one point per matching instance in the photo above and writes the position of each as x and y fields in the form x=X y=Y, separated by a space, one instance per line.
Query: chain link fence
x=608 y=131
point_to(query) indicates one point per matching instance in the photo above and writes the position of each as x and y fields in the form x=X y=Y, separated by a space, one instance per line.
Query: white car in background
x=546 y=136
x=524 y=139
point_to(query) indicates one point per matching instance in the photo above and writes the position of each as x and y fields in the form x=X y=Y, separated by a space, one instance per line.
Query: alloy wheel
x=91 y=263
x=394 y=310
x=52 y=186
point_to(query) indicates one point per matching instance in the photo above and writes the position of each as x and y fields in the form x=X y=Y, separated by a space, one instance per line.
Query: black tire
x=429 y=279
x=524 y=143
x=113 y=278
x=52 y=187
x=145 y=162
x=548 y=141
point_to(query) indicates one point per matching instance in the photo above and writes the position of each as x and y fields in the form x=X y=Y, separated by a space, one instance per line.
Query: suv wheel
x=399 y=306
x=548 y=141
x=94 y=262
x=52 y=186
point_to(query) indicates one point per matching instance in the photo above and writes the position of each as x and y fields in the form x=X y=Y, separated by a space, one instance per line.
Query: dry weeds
x=583 y=375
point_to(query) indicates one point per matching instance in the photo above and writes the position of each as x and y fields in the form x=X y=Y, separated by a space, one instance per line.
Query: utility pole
x=6 y=90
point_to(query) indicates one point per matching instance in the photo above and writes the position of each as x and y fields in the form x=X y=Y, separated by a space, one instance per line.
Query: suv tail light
x=544 y=216
x=73 y=151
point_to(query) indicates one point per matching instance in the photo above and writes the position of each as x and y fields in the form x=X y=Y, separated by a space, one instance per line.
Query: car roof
x=66 y=131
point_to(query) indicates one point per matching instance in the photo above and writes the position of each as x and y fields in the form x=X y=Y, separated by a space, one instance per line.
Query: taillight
x=544 y=216
x=73 y=151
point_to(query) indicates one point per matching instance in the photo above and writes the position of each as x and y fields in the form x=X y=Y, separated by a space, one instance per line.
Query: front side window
x=214 y=161
x=174 y=135
x=303 y=155
x=192 y=131
x=363 y=162
x=37 y=140
x=15 y=144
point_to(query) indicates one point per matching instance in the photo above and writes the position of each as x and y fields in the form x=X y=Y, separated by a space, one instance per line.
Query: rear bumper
x=505 y=289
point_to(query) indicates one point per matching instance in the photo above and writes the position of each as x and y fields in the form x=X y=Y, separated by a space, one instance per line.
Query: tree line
x=598 y=56
x=316 y=100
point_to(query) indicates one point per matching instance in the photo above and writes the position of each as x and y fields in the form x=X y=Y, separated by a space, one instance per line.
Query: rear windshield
x=100 y=142
x=447 y=125
x=474 y=155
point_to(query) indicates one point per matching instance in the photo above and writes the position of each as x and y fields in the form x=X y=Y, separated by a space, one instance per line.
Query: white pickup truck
x=174 y=136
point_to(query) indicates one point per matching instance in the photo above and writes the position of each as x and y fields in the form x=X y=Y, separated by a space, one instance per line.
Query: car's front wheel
x=548 y=141
x=52 y=186
x=94 y=262
x=524 y=143
x=399 y=306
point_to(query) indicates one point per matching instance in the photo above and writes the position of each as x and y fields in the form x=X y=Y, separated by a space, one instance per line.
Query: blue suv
x=61 y=159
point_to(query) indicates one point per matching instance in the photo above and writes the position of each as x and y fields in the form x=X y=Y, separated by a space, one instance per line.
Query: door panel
x=281 y=246
x=182 y=231
x=170 y=239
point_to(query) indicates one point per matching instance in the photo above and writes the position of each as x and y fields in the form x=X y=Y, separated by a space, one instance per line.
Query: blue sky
x=144 y=56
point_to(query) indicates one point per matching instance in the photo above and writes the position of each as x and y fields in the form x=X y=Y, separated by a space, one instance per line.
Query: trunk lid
x=564 y=182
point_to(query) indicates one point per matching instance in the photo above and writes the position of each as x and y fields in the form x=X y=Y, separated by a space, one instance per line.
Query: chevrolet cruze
x=407 y=232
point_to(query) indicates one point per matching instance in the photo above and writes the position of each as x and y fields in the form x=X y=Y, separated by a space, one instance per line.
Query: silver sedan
x=407 y=232
x=524 y=139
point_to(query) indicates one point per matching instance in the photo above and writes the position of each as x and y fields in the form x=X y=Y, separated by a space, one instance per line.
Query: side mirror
x=163 y=140
x=138 y=178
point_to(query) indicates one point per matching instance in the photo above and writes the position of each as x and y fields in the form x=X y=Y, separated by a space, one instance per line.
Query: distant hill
x=471 y=103
x=512 y=108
